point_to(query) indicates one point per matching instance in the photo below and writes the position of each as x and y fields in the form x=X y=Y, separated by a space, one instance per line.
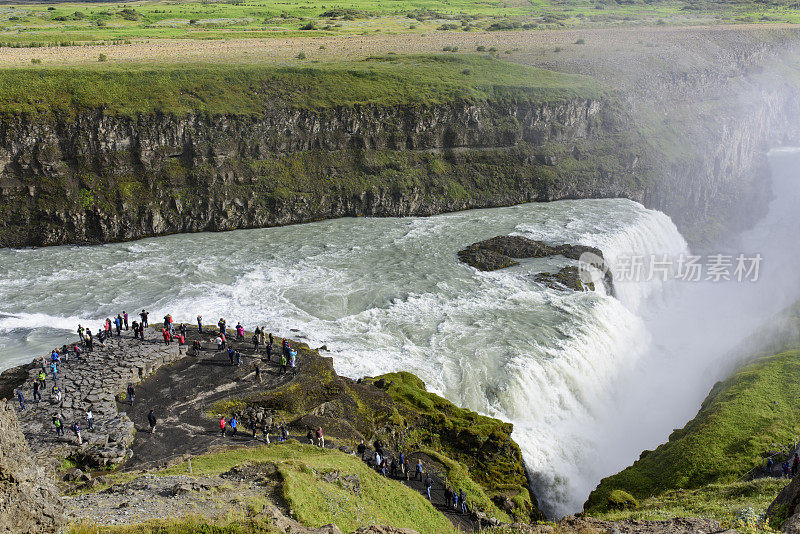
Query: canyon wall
x=685 y=136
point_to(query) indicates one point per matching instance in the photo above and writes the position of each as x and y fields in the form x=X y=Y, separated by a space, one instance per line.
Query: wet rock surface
x=503 y=251
x=94 y=382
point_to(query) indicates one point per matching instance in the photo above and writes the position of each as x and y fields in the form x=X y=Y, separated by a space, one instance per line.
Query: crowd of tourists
x=397 y=466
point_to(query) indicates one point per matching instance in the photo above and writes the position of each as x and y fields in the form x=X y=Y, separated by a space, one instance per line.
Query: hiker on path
x=131 y=393
x=232 y=355
x=238 y=358
x=219 y=343
x=182 y=329
x=269 y=352
x=271 y=341
x=320 y=438
x=81 y=333
x=224 y=339
x=42 y=378
x=255 y=342
x=361 y=449
x=144 y=316
x=284 y=433
x=420 y=470
x=261 y=337
x=462 y=496
x=21 y=400
x=54 y=369
x=222 y=426
x=59 y=425
x=76 y=429
x=151 y=418
x=234 y=425
x=197 y=347
x=89 y=341
x=265 y=430
x=407 y=469
x=239 y=332
x=78 y=351
x=258 y=373
x=428 y=484
x=56 y=394
x=118 y=323
x=125 y=319
x=221 y=325
x=200 y=324
x=37 y=395
x=283 y=364
x=89 y=419
x=167 y=336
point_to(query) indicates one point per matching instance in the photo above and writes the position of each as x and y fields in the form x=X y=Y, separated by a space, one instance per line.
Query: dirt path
x=182 y=393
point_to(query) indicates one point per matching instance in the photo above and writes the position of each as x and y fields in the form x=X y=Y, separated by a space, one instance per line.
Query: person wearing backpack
x=59 y=426
x=428 y=485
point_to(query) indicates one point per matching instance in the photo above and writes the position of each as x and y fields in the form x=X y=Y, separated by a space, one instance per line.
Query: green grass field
x=72 y=23
x=752 y=414
x=390 y=80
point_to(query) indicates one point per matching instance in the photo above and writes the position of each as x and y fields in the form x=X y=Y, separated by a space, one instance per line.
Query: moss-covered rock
x=397 y=410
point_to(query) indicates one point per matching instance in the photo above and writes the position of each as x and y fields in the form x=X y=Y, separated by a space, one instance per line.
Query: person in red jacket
x=167 y=336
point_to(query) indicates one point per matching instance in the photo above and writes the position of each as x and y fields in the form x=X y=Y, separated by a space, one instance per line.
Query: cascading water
x=389 y=294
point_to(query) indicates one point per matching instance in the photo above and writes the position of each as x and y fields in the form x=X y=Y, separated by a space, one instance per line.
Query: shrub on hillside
x=621 y=500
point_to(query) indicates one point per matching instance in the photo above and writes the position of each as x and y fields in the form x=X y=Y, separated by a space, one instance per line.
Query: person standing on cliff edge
x=200 y=324
x=144 y=315
x=125 y=319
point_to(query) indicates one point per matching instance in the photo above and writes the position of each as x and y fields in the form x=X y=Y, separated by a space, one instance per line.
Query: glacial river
x=588 y=380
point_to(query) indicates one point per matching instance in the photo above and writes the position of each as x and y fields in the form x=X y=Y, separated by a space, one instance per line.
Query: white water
x=588 y=380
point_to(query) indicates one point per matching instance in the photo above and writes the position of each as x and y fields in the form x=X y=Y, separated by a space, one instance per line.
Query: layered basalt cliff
x=98 y=177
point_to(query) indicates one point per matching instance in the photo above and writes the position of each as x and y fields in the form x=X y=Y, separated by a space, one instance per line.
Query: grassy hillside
x=300 y=468
x=66 y=24
x=743 y=419
x=209 y=89
x=730 y=504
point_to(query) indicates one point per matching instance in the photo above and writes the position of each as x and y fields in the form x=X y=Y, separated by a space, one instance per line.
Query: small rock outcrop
x=784 y=511
x=29 y=500
x=503 y=251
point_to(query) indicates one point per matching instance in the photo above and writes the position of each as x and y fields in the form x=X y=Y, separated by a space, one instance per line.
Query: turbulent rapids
x=390 y=294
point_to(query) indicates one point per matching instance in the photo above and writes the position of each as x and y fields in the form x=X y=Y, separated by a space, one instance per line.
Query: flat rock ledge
x=503 y=251
x=95 y=381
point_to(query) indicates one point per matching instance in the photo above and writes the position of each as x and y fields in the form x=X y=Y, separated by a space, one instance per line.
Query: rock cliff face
x=98 y=178
x=29 y=500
